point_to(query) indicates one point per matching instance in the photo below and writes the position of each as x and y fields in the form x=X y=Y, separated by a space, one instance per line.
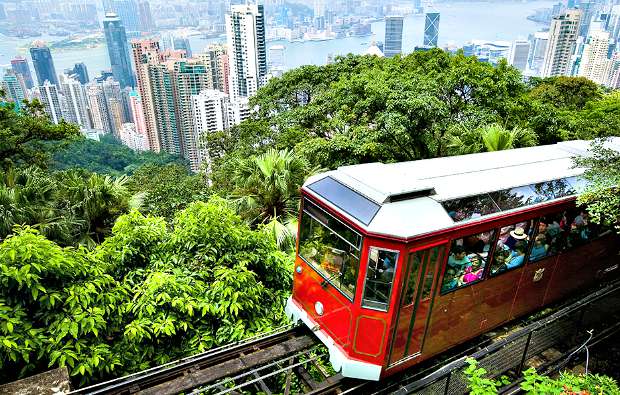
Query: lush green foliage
x=602 y=195
x=71 y=207
x=107 y=156
x=23 y=133
x=164 y=190
x=148 y=294
x=535 y=384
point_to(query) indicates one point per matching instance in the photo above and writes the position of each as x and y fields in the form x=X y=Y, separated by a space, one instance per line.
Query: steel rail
x=211 y=357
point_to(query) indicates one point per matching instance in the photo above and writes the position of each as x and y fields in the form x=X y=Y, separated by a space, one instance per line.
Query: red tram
x=399 y=262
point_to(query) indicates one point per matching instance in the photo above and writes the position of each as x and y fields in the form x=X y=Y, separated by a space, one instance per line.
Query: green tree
x=22 y=135
x=572 y=93
x=602 y=191
x=165 y=190
x=488 y=138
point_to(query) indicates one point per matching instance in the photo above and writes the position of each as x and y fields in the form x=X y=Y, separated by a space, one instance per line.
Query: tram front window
x=333 y=256
x=379 y=278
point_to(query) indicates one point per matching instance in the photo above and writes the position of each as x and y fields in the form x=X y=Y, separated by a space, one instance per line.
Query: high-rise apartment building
x=43 y=63
x=132 y=138
x=76 y=111
x=393 y=36
x=99 y=113
x=247 y=52
x=191 y=76
x=145 y=53
x=539 y=42
x=116 y=40
x=431 y=29
x=20 y=66
x=563 y=35
x=519 y=53
x=595 y=61
x=114 y=101
x=210 y=114
x=52 y=101
x=216 y=59
x=161 y=77
x=137 y=115
x=14 y=88
x=238 y=111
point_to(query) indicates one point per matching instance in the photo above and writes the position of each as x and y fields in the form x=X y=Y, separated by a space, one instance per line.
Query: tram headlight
x=318 y=307
x=298 y=269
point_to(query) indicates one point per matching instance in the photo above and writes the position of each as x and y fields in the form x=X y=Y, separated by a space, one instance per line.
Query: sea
x=460 y=22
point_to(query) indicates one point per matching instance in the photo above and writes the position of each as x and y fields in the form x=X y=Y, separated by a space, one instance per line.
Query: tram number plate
x=538 y=275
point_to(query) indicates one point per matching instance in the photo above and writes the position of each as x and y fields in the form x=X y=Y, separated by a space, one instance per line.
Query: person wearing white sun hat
x=515 y=236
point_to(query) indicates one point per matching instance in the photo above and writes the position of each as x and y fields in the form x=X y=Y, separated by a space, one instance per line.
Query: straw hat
x=518 y=234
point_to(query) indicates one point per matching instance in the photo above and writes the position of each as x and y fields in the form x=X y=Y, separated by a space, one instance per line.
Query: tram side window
x=512 y=246
x=333 y=256
x=467 y=260
x=580 y=228
x=379 y=278
x=550 y=237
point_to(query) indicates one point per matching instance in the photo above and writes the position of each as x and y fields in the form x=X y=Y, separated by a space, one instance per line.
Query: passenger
x=451 y=280
x=518 y=256
x=540 y=248
x=581 y=219
x=473 y=243
x=472 y=273
x=515 y=236
x=388 y=269
x=458 y=259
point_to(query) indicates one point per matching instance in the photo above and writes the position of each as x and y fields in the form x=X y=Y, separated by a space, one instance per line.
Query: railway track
x=291 y=359
x=202 y=369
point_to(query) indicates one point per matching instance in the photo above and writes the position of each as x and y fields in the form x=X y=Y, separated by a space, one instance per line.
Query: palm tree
x=266 y=190
x=488 y=138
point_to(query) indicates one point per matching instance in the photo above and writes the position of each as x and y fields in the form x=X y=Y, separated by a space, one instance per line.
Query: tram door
x=416 y=301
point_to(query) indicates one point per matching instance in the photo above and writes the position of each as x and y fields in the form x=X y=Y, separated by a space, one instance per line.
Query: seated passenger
x=472 y=273
x=473 y=243
x=581 y=219
x=458 y=259
x=451 y=280
x=518 y=256
x=514 y=237
x=540 y=248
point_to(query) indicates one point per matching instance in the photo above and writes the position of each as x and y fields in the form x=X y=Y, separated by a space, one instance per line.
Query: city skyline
x=148 y=100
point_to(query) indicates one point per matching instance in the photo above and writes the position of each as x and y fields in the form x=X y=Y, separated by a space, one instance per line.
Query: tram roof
x=413 y=198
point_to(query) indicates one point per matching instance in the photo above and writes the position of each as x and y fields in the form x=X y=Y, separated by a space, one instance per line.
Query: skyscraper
x=20 y=66
x=43 y=63
x=561 y=46
x=52 y=101
x=393 y=36
x=145 y=53
x=116 y=40
x=245 y=30
x=14 y=88
x=519 y=53
x=431 y=29
x=76 y=102
x=182 y=43
x=81 y=72
x=588 y=10
x=114 y=102
x=127 y=11
x=595 y=61
x=146 y=18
